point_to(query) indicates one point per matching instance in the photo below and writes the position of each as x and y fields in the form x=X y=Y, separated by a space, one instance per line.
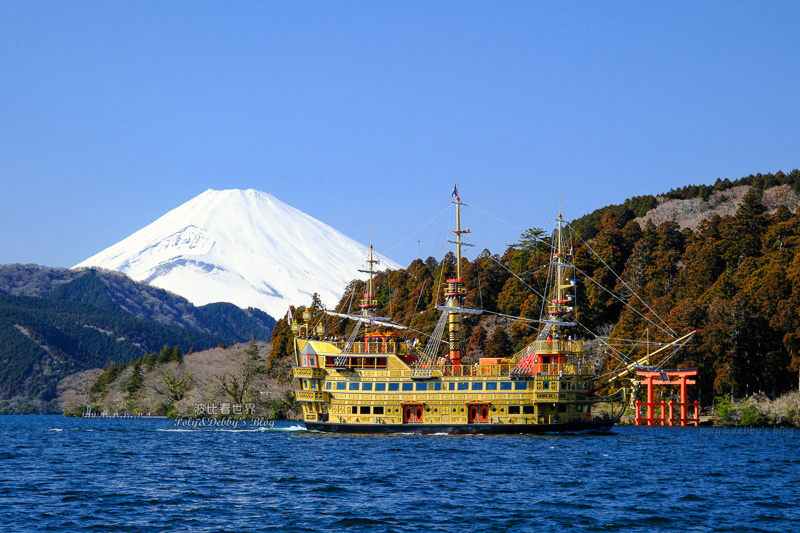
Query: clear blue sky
x=365 y=113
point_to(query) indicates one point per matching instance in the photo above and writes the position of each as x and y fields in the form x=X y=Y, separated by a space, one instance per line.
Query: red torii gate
x=664 y=377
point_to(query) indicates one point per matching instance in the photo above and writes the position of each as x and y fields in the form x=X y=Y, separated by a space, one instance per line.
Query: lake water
x=62 y=474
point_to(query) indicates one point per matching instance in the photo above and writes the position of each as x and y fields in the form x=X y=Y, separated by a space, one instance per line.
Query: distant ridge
x=689 y=205
x=689 y=213
x=245 y=247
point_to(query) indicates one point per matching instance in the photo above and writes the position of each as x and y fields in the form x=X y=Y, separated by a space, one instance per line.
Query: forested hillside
x=116 y=291
x=56 y=321
x=42 y=341
x=735 y=279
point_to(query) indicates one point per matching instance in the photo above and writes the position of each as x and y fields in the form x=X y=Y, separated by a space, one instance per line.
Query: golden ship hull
x=370 y=387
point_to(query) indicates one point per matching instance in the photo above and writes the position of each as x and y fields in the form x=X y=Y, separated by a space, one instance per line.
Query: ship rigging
x=382 y=381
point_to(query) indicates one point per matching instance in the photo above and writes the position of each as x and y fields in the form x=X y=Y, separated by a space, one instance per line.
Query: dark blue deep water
x=61 y=474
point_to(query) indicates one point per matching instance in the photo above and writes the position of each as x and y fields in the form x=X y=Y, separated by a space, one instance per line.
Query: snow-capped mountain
x=245 y=247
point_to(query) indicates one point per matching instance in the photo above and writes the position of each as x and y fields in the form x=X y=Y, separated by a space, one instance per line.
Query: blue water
x=61 y=474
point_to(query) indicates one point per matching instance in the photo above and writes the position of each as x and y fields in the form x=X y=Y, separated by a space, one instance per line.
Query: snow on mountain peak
x=240 y=246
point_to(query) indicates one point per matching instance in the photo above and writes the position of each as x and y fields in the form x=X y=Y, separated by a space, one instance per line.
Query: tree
x=175 y=386
x=499 y=344
x=237 y=386
x=742 y=235
x=533 y=239
x=136 y=382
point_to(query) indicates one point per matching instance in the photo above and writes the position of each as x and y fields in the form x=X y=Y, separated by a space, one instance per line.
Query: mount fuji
x=245 y=247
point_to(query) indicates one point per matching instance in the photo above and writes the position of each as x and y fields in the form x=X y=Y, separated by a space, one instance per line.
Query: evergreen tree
x=742 y=235
x=499 y=344
x=136 y=382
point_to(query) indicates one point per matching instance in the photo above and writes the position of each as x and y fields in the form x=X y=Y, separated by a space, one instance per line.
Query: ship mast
x=561 y=302
x=369 y=303
x=455 y=294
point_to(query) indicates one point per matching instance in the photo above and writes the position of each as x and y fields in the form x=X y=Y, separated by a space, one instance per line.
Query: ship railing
x=401 y=348
x=301 y=372
x=311 y=396
x=370 y=361
x=551 y=347
x=493 y=370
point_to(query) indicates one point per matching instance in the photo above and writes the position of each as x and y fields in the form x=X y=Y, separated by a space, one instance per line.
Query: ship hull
x=462 y=429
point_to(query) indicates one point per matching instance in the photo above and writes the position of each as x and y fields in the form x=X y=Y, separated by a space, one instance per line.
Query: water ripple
x=59 y=474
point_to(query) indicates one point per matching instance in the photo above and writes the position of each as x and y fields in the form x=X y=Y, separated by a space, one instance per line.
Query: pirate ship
x=382 y=381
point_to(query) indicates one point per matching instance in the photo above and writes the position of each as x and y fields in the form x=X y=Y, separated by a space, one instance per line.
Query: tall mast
x=560 y=264
x=562 y=302
x=455 y=294
x=369 y=303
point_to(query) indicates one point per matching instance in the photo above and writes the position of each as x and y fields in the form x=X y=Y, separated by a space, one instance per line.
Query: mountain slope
x=243 y=247
x=116 y=292
x=42 y=340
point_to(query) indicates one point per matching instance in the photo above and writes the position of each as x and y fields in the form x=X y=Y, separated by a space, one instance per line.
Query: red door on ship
x=412 y=414
x=478 y=412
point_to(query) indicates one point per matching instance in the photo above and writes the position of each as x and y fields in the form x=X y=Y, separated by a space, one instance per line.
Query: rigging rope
x=619 y=355
x=534 y=291
x=623 y=302
x=416 y=232
x=426 y=362
x=623 y=282
x=416 y=305
x=348 y=347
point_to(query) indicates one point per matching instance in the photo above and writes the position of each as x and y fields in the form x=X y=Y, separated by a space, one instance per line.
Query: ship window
x=311 y=384
x=353 y=386
x=377 y=410
x=505 y=385
x=366 y=386
x=354 y=410
x=305 y=360
x=380 y=386
x=491 y=385
x=394 y=386
x=341 y=385
x=437 y=386
x=463 y=386
x=312 y=360
x=513 y=409
x=477 y=385
x=527 y=409
x=365 y=409
x=328 y=385
x=520 y=385
x=422 y=386
x=408 y=386
x=545 y=385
